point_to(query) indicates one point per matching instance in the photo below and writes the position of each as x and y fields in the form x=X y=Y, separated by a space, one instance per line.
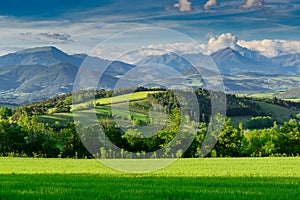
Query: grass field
x=101 y=111
x=223 y=178
x=126 y=97
x=62 y=118
x=120 y=109
x=280 y=114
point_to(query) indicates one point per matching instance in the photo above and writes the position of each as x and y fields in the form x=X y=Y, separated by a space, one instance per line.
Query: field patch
x=125 y=98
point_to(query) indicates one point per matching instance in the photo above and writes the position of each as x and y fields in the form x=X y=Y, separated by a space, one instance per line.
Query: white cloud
x=266 y=47
x=184 y=5
x=252 y=4
x=210 y=3
x=272 y=48
x=225 y=40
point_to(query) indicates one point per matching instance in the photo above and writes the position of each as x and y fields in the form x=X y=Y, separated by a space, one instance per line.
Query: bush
x=260 y=122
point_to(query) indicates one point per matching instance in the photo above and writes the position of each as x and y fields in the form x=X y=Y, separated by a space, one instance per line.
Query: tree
x=229 y=141
x=195 y=147
x=72 y=145
x=5 y=113
x=11 y=138
x=261 y=142
x=289 y=138
x=260 y=122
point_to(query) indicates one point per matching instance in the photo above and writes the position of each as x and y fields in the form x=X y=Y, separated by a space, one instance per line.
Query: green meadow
x=125 y=98
x=210 y=178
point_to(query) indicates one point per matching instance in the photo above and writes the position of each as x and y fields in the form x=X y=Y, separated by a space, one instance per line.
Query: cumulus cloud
x=252 y=4
x=223 y=41
x=209 y=4
x=272 y=48
x=266 y=47
x=184 y=5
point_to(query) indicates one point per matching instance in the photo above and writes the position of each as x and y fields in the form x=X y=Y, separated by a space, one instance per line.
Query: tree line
x=27 y=137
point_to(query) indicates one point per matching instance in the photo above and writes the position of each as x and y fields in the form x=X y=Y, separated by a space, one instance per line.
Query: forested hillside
x=270 y=127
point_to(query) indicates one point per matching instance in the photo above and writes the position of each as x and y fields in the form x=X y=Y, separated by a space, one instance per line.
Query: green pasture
x=222 y=178
x=125 y=98
x=61 y=118
x=101 y=112
x=279 y=113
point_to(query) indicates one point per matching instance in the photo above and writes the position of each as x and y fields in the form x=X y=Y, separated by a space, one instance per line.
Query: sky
x=271 y=27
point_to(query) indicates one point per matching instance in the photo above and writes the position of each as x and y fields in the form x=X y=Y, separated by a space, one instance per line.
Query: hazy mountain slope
x=290 y=61
x=12 y=77
x=230 y=61
x=61 y=75
x=171 y=60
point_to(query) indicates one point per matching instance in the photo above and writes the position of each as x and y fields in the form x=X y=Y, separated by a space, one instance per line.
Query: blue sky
x=77 y=26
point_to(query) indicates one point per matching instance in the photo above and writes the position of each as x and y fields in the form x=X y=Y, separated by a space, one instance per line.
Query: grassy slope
x=125 y=98
x=64 y=118
x=281 y=114
x=227 y=178
x=278 y=113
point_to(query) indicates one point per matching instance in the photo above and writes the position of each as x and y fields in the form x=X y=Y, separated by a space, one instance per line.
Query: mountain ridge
x=38 y=73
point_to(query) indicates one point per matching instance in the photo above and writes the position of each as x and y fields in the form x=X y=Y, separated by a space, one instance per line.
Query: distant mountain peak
x=39 y=49
x=226 y=53
x=47 y=56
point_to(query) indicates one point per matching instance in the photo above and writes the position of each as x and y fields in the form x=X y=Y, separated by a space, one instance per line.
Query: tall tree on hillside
x=289 y=138
x=229 y=141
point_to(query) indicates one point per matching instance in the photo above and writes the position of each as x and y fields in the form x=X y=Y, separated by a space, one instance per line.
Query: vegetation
x=30 y=131
x=263 y=128
x=230 y=178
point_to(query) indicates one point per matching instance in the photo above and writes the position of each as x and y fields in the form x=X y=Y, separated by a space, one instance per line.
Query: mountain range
x=38 y=73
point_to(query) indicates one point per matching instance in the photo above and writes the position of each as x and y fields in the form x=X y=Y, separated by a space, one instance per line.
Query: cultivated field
x=222 y=178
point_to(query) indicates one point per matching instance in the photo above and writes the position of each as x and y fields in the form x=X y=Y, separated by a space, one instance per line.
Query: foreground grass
x=228 y=178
